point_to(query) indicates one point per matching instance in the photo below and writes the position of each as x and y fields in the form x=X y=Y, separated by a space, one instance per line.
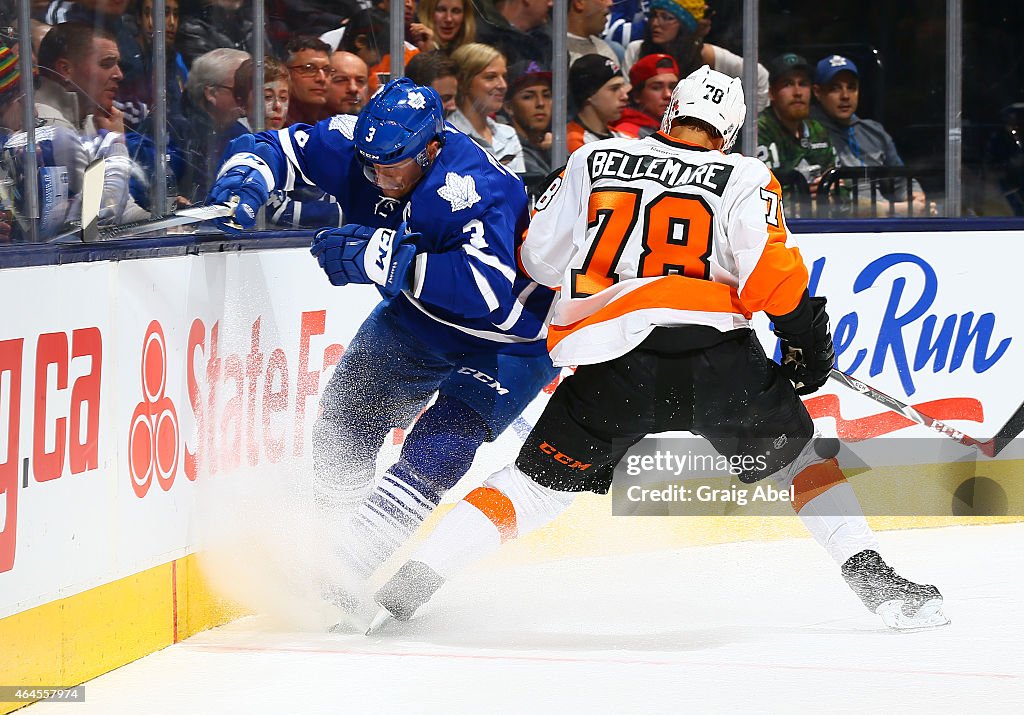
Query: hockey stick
x=990 y=448
x=92 y=197
x=192 y=214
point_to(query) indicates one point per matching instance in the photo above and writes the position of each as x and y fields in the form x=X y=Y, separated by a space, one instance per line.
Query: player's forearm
x=261 y=152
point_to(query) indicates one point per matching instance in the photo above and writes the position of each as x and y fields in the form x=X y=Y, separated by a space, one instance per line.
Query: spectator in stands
x=585 y=22
x=311 y=17
x=482 y=88
x=303 y=205
x=858 y=142
x=140 y=142
x=626 y=21
x=519 y=29
x=11 y=105
x=220 y=23
x=176 y=72
x=368 y=35
x=452 y=21
x=80 y=75
x=213 y=112
x=347 y=90
x=79 y=78
x=600 y=93
x=788 y=140
x=418 y=37
x=436 y=69
x=677 y=28
x=39 y=30
x=528 y=104
x=109 y=15
x=275 y=93
x=309 y=65
x=653 y=77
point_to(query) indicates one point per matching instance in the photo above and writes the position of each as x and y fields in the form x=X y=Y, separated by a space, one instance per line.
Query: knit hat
x=686 y=11
x=649 y=66
x=588 y=74
x=9 y=73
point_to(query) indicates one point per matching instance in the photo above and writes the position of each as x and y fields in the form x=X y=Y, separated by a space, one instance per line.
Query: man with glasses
x=213 y=113
x=310 y=72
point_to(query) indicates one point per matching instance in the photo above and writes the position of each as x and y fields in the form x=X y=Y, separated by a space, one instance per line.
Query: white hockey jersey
x=637 y=234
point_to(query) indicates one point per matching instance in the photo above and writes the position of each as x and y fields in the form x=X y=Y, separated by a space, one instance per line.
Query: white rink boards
x=759 y=626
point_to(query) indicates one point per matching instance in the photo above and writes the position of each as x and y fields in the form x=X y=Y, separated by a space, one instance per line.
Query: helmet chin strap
x=423 y=158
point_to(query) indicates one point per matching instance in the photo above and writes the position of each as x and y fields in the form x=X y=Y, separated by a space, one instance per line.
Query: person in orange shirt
x=652 y=78
x=600 y=93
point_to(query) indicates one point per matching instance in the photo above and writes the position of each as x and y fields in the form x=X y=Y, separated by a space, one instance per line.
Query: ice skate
x=411 y=586
x=350 y=597
x=902 y=605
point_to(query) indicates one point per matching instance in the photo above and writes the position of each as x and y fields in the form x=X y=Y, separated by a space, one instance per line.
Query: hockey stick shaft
x=990 y=448
x=192 y=214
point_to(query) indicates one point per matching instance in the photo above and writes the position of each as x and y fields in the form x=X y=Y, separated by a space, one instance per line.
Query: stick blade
x=92 y=198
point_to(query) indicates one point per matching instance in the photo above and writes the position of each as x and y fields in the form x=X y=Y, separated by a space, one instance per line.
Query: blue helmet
x=398 y=122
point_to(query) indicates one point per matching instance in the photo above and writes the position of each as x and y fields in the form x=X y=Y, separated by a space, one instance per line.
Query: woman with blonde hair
x=453 y=22
x=481 y=93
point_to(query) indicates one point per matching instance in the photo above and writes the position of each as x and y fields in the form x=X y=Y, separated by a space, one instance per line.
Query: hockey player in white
x=662 y=249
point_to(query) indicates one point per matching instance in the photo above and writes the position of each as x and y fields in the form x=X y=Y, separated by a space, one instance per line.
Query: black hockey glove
x=807 y=350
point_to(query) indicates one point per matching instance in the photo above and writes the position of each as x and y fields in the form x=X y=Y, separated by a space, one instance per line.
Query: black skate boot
x=410 y=587
x=903 y=605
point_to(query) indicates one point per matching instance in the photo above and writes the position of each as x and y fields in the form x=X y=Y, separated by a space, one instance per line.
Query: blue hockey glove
x=244 y=176
x=363 y=254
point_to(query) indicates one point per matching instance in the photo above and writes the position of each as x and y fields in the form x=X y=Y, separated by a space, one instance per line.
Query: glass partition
x=857 y=124
x=154 y=90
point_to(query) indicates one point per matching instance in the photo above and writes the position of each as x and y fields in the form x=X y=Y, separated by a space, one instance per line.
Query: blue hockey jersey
x=470 y=211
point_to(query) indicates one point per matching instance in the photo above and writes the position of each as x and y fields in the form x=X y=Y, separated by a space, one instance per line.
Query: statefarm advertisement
x=124 y=384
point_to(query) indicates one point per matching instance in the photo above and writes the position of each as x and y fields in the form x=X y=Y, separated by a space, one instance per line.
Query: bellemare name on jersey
x=670 y=172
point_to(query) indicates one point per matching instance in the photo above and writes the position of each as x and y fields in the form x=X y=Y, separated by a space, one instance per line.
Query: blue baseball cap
x=829 y=67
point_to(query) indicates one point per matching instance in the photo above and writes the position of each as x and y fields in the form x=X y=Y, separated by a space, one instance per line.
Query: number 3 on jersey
x=676 y=238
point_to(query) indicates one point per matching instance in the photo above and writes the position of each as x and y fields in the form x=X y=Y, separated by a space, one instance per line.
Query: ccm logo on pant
x=484 y=378
x=565 y=459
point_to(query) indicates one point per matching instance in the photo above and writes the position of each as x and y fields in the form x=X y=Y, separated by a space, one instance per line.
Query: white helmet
x=711 y=97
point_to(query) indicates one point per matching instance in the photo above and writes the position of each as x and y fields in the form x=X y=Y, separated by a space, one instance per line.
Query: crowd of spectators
x=489 y=60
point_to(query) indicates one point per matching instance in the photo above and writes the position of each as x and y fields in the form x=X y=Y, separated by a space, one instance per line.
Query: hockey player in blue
x=433 y=222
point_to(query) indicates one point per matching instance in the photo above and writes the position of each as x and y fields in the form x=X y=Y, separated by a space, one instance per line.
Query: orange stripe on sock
x=498 y=508
x=814 y=481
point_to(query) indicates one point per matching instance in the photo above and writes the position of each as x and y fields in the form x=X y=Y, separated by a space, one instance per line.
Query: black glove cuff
x=796 y=321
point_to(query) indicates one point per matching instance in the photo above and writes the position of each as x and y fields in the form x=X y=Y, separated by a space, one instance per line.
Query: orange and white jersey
x=637 y=234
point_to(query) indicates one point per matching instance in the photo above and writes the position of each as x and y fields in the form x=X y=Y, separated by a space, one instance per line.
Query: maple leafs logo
x=416 y=100
x=344 y=123
x=459 y=191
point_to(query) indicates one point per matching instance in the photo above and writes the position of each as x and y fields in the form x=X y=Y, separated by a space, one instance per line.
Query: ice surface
x=758 y=626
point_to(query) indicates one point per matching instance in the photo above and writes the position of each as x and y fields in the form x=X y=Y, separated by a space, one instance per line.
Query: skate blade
x=929 y=616
x=382 y=617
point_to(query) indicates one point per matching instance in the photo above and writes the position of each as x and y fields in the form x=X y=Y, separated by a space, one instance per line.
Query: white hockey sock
x=385 y=520
x=836 y=521
x=507 y=505
x=337 y=494
x=829 y=509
